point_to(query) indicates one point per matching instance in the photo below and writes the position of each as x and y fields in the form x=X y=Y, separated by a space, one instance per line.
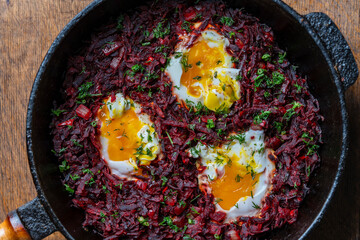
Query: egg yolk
x=202 y=59
x=121 y=133
x=199 y=66
x=237 y=182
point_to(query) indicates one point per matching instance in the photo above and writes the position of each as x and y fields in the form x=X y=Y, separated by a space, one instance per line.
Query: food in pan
x=185 y=121
x=238 y=174
x=126 y=135
x=203 y=72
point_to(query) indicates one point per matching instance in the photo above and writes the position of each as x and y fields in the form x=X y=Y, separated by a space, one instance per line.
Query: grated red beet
x=147 y=208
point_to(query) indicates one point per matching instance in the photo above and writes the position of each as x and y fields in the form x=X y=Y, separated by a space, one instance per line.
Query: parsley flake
x=69 y=189
x=160 y=31
x=261 y=117
x=254 y=205
x=57 y=112
x=171 y=141
x=266 y=57
x=227 y=21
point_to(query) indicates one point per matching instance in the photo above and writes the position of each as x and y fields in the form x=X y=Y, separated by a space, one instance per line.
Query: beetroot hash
x=130 y=55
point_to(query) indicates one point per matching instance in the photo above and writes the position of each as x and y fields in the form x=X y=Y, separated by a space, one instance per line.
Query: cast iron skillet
x=313 y=42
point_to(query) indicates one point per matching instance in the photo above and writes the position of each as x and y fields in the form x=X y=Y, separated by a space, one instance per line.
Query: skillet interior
x=291 y=36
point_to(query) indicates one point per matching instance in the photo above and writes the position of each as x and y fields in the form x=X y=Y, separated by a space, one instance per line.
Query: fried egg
x=127 y=136
x=237 y=173
x=204 y=73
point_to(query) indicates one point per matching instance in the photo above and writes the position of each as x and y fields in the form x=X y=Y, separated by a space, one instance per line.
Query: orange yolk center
x=236 y=183
x=121 y=133
x=202 y=59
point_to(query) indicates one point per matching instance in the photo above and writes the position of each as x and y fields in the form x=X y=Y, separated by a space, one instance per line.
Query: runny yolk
x=236 y=183
x=203 y=59
x=121 y=133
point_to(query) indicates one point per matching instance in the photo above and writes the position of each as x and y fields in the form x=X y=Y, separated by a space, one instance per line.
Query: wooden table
x=27 y=29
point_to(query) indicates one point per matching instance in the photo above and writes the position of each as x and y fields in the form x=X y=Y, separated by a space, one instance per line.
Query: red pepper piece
x=83 y=112
x=115 y=62
x=149 y=61
x=190 y=14
x=151 y=213
x=142 y=185
x=112 y=48
x=67 y=122
x=239 y=43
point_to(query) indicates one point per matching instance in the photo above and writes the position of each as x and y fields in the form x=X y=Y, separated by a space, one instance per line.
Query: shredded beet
x=273 y=97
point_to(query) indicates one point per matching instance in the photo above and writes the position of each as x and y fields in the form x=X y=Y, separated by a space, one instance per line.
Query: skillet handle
x=12 y=228
x=335 y=43
x=29 y=221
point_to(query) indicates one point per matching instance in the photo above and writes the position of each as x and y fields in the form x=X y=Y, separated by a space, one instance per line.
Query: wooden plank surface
x=27 y=29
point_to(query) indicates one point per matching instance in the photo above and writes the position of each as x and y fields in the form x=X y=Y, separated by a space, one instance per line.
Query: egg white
x=175 y=69
x=125 y=169
x=261 y=164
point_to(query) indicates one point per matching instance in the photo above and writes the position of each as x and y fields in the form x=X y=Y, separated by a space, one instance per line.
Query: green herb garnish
x=186 y=26
x=291 y=111
x=63 y=167
x=84 y=91
x=217 y=237
x=184 y=62
x=168 y=221
x=227 y=21
x=160 y=31
x=164 y=181
x=210 y=124
x=69 y=189
x=261 y=117
x=88 y=171
x=254 y=205
x=137 y=68
x=143 y=221
x=75 y=177
x=120 y=21
x=171 y=141
x=76 y=143
x=282 y=57
x=266 y=57
x=238 y=178
x=57 y=112
x=240 y=137
x=298 y=87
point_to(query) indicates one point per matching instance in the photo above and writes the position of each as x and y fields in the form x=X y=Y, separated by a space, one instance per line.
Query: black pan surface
x=292 y=32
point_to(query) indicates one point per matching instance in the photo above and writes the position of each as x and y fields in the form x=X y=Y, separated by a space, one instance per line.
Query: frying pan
x=313 y=42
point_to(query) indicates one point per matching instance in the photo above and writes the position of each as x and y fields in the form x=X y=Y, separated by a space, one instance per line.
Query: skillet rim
x=60 y=38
